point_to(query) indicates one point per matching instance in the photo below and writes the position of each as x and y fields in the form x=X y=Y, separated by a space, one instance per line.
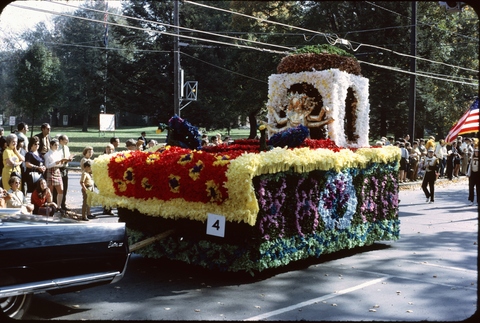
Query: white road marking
x=316 y=300
x=445 y=267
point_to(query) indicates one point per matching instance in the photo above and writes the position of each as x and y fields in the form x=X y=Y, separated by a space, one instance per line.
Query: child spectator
x=87 y=156
x=86 y=182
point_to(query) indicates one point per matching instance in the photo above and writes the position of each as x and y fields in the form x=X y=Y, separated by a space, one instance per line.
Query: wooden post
x=148 y=241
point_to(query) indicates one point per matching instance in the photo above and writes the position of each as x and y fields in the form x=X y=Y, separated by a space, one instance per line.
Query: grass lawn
x=98 y=140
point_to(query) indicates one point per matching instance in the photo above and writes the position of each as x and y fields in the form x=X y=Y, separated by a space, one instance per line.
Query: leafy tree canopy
x=38 y=81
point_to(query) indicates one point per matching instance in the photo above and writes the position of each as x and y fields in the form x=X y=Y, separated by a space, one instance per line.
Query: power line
x=416 y=57
x=338 y=40
x=150 y=30
x=256 y=18
x=417 y=73
x=219 y=67
x=328 y=37
x=109 y=48
x=184 y=28
x=442 y=77
x=243 y=46
x=428 y=25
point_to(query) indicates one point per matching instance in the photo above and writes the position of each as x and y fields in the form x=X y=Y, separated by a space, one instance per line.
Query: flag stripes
x=468 y=123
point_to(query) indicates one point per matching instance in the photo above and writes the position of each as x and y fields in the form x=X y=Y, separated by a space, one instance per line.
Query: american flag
x=105 y=18
x=468 y=123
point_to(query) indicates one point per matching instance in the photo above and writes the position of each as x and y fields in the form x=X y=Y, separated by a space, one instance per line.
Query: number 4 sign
x=216 y=225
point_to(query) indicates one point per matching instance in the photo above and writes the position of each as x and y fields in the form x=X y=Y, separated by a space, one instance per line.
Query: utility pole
x=413 y=69
x=176 y=62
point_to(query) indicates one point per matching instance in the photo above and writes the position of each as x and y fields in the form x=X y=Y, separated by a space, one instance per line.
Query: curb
x=440 y=182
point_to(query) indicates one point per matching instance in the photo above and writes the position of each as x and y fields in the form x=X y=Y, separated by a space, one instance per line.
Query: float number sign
x=216 y=225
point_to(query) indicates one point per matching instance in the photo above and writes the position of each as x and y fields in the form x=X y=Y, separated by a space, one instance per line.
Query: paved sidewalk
x=74 y=199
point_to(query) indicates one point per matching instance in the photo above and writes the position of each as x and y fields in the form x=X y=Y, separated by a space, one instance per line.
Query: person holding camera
x=53 y=161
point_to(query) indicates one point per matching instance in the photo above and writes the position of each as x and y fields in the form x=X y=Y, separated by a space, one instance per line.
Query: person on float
x=431 y=170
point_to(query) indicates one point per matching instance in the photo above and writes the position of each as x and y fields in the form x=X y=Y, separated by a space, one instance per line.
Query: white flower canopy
x=350 y=126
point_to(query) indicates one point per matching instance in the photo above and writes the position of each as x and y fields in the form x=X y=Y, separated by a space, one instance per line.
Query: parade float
x=311 y=185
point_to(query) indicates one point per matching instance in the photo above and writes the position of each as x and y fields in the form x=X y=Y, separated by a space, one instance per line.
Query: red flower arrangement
x=170 y=173
x=175 y=172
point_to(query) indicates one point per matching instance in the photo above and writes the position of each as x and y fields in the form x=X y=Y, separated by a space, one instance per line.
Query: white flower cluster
x=333 y=86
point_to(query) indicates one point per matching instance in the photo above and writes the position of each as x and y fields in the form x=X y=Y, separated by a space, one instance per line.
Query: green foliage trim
x=323 y=49
x=254 y=257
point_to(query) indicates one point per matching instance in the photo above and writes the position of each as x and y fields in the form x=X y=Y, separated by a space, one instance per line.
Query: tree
x=84 y=66
x=252 y=93
x=140 y=78
x=38 y=81
x=452 y=40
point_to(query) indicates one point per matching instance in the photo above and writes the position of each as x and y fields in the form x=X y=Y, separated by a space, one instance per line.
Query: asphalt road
x=429 y=274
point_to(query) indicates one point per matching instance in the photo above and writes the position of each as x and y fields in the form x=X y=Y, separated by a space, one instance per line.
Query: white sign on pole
x=216 y=225
x=65 y=120
x=1 y=119
x=107 y=122
x=11 y=121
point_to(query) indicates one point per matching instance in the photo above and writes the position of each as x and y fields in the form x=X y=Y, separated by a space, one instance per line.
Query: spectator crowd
x=427 y=160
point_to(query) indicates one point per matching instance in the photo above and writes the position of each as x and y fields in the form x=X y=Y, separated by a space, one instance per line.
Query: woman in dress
x=12 y=159
x=42 y=197
x=53 y=161
x=35 y=164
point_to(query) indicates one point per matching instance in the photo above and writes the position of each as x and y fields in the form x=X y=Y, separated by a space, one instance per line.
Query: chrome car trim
x=43 y=286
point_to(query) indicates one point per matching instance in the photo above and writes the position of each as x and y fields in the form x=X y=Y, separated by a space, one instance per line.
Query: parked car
x=44 y=254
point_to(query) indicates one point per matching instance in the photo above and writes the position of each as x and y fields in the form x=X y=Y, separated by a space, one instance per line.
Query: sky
x=17 y=20
x=14 y=21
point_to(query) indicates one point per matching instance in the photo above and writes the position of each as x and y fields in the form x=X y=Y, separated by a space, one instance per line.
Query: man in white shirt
x=22 y=129
x=65 y=153
x=421 y=147
x=441 y=154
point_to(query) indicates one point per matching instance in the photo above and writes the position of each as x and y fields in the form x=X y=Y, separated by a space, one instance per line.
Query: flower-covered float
x=314 y=187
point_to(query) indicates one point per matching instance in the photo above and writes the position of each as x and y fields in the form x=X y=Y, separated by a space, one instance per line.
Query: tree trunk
x=85 y=122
